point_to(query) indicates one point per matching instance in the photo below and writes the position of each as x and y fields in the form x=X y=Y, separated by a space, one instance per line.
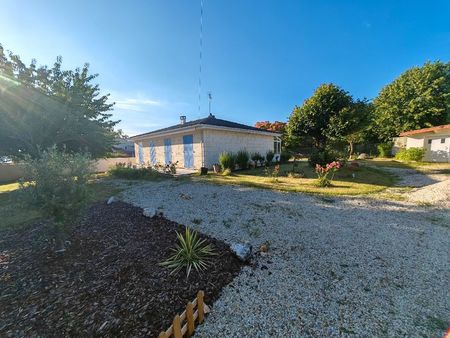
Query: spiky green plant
x=190 y=252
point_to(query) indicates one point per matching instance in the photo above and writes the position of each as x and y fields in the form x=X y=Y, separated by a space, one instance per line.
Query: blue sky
x=260 y=58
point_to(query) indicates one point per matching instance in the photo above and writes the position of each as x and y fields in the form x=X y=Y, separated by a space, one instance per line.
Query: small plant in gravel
x=326 y=173
x=191 y=252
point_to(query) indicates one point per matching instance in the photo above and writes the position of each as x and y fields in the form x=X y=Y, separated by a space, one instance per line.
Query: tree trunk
x=350 y=143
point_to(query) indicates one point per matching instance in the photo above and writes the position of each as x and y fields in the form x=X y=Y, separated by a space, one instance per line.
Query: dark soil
x=108 y=282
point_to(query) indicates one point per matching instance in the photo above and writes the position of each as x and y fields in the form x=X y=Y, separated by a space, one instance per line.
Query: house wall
x=435 y=151
x=218 y=141
x=399 y=143
x=415 y=142
x=177 y=148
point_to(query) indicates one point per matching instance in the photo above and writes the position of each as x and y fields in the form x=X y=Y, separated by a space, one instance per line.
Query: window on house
x=141 y=153
x=429 y=141
x=442 y=140
x=276 y=145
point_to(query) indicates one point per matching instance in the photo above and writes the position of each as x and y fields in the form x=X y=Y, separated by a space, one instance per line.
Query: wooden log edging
x=184 y=325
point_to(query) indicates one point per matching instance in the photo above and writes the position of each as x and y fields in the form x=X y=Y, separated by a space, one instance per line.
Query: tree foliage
x=41 y=107
x=324 y=116
x=418 y=98
x=59 y=186
x=272 y=126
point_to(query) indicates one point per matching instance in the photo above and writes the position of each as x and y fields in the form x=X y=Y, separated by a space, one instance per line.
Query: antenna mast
x=200 y=57
x=210 y=99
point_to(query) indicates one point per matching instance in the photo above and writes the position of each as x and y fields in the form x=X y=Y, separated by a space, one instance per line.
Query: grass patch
x=13 y=214
x=366 y=181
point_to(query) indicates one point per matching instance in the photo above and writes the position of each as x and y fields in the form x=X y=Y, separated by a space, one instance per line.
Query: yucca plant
x=190 y=252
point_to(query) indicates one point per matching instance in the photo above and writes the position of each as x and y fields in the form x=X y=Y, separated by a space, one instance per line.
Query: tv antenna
x=210 y=99
x=200 y=58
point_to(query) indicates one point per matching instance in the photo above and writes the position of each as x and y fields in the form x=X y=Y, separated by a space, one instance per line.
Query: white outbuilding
x=435 y=141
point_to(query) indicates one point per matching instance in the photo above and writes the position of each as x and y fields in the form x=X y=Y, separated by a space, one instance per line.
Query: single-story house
x=199 y=143
x=435 y=141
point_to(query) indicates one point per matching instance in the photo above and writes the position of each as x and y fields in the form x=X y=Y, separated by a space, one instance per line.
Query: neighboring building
x=199 y=143
x=435 y=140
x=125 y=145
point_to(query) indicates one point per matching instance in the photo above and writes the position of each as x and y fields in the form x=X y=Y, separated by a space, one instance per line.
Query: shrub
x=269 y=156
x=190 y=252
x=121 y=171
x=273 y=173
x=257 y=157
x=325 y=174
x=411 y=154
x=285 y=156
x=226 y=172
x=59 y=187
x=384 y=149
x=242 y=159
x=227 y=160
x=321 y=158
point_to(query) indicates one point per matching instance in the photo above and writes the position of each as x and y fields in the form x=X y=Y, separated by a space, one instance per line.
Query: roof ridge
x=210 y=120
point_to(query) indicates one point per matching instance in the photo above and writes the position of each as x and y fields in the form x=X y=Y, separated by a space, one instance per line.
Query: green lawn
x=13 y=214
x=367 y=180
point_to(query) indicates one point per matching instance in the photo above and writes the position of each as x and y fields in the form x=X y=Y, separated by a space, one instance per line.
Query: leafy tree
x=320 y=115
x=418 y=98
x=41 y=107
x=351 y=125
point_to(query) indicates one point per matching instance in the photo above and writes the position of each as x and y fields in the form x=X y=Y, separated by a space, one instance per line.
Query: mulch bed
x=108 y=282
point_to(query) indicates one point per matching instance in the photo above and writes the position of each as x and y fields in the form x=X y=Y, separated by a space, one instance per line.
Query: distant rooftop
x=211 y=120
x=426 y=130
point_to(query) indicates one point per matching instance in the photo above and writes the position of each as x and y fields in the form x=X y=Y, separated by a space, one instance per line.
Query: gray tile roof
x=211 y=120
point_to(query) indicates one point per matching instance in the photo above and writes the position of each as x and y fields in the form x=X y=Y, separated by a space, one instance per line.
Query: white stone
x=149 y=212
x=362 y=156
x=112 y=199
x=242 y=250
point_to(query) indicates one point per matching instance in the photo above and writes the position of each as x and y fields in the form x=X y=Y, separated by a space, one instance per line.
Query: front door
x=168 y=150
x=188 y=141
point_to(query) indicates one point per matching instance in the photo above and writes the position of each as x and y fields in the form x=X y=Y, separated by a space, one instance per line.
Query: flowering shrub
x=326 y=173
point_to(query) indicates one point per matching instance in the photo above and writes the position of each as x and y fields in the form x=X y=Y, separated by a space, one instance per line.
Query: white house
x=199 y=143
x=435 y=140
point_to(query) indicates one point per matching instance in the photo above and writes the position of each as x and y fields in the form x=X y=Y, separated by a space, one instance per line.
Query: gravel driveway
x=336 y=266
x=428 y=187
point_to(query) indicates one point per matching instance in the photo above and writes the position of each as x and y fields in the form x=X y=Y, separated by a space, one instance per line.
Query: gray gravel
x=414 y=178
x=335 y=266
x=428 y=187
